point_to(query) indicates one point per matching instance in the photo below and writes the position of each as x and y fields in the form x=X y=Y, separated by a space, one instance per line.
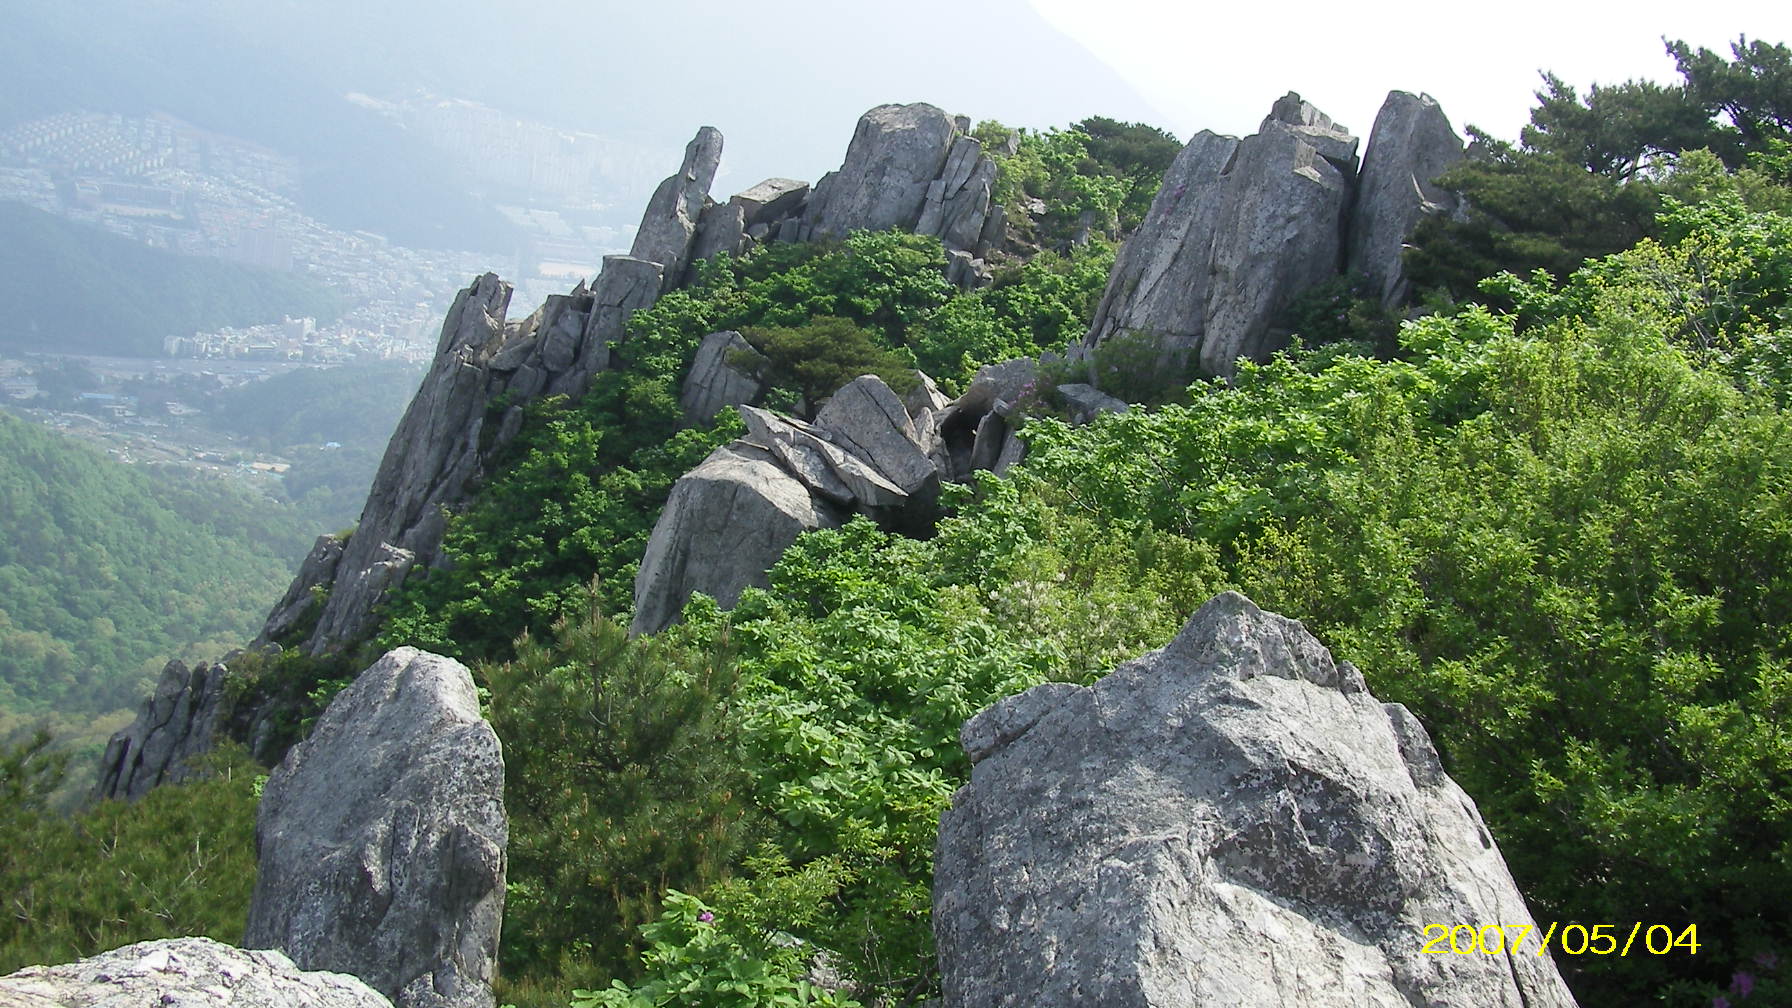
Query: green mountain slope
x=106 y=570
x=79 y=288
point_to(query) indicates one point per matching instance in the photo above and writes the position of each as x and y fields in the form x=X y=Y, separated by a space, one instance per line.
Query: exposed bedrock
x=1411 y=145
x=381 y=838
x=1242 y=228
x=1230 y=820
x=184 y=972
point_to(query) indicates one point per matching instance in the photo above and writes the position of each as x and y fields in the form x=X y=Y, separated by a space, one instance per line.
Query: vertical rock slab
x=1239 y=229
x=713 y=383
x=896 y=152
x=184 y=972
x=625 y=285
x=1230 y=820
x=670 y=220
x=1279 y=231
x=1411 y=144
x=724 y=525
x=381 y=838
x=433 y=453
x=1160 y=279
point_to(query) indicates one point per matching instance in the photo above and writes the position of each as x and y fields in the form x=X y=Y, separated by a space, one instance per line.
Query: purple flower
x=1742 y=983
x=1766 y=960
x=1720 y=1002
x=706 y=916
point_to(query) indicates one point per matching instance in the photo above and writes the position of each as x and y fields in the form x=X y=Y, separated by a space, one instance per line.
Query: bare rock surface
x=714 y=383
x=1411 y=144
x=896 y=152
x=724 y=525
x=1239 y=229
x=381 y=838
x=866 y=418
x=1230 y=820
x=184 y=973
x=670 y=221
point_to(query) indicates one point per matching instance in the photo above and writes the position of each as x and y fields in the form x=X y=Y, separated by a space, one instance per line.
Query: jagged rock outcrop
x=318 y=570
x=381 y=838
x=190 y=712
x=672 y=216
x=1086 y=402
x=184 y=972
x=724 y=525
x=867 y=419
x=897 y=152
x=1230 y=820
x=912 y=167
x=868 y=452
x=714 y=383
x=1411 y=145
x=1238 y=230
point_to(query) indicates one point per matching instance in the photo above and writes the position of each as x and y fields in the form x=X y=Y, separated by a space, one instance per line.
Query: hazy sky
x=1219 y=66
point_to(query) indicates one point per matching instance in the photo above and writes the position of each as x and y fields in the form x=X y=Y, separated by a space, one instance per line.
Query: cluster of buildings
x=302 y=339
x=167 y=184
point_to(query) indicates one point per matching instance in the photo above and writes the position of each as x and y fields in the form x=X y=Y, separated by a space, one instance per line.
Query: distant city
x=168 y=184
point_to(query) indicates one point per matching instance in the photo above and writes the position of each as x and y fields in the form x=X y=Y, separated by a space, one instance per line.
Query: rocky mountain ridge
x=1276 y=207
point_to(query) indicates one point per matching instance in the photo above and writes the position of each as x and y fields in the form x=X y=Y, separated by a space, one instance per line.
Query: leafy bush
x=179 y=862
x=623 y=780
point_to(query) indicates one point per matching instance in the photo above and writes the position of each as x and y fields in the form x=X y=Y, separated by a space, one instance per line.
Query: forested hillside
x=1548 y=508
x=106 y=571
x=121 y=298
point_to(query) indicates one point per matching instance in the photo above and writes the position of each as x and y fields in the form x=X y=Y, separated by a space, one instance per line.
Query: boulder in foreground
x=1230 y=820
x=184 y=973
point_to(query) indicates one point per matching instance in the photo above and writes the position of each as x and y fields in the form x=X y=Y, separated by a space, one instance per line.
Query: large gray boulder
x=1239 y=229
x=896 y=153
x=714 y=382
x=770 y=201
x=381 y=838
x=724 y=525
x=1411 y=145
x=670 y=220
x=1230 y=820
x=867 y=419
x=433 y=454
x=184 y=973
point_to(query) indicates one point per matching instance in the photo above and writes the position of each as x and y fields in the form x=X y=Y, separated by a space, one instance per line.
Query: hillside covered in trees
x=122 y=298
x=1548 y=507
x=106 y=571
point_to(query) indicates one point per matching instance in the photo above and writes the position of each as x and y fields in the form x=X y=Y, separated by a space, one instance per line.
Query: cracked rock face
x=381 y=839
x=1239 y=229
x=1411 y=145
x=184 y=972
x=1230 y=820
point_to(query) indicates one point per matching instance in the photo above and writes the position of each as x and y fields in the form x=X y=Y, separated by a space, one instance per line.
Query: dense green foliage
x=106 y=570
x=1587 y=175
x=300 y=414
x=580 y=488
x=179 y=862
x=1060 y=188
x=79 y=288
x=621 y=782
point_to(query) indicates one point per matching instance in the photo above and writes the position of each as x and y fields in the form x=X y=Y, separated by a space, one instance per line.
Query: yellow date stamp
x=1569 y=939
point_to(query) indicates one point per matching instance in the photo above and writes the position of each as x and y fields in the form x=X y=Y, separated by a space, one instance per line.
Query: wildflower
x=1720 y=1002
x=706 y=917
x=1742 y=983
